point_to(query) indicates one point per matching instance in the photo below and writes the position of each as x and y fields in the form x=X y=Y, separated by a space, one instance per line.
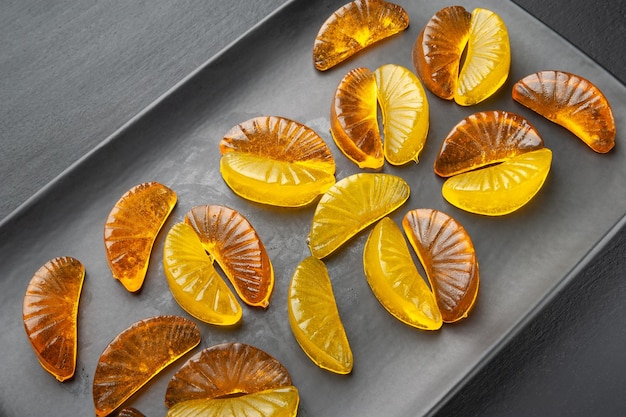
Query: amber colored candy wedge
x=130 y=412
x=136 y=355
x=131 y=229
x=277 y=402
x=350 y=206
x=447 y=254
x=570 y=101
x=195 y=284
x=354 y=27
x=500 y=189
x=50 y=313
x=226 y=370
x=394 y=279
x=230 y=238
x=276 y=161
x=314 y=317
x=404 y=108
x=485 y=138
x=354 y=119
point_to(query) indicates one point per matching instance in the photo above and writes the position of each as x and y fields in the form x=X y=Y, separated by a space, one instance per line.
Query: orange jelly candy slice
x=131 y=229
x=439 y=48
x=226 y=370
x=50 y=312
x=447 y=254
x=136 y=355
x=354 y=27
x=570 y=101
x=276 y=161
x=354 y=119
x=130 y=412
x=230 y=238
x=485 y=138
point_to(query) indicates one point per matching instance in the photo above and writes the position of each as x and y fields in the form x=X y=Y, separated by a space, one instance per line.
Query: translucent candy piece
x=277 y=402
x=404 y=108
x=230 y=238
x=394 y=279
x=131 y=229
x=315 y=320
x=354 y=119
x=500 y=189
x=194 y=282
x=276 y=161
x=438 y=51
x=485 y=138
x=130 y=412
x=570 y=101
x=350 y=206
x=447 y=254
x=226 y=370
x=50 y=313
x=136 y=355
x=354 y=27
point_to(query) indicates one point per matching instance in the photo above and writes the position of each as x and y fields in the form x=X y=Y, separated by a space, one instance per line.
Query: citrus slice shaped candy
x=136 y=355
x=276 y=161
x=485 y=138
x=354 y=119
x=354 y=27
x=277 y=402
x=231 y=240
x=315 y=320
x=404 y=108
x=447 y=254
x=50 y=313
x=394 y=279
x=350 y=206
x=130 y=412
x=570 y=101
x=194 y=282
x=500 y=189
x=131 y=229
x=439 y=47
x=226 y=370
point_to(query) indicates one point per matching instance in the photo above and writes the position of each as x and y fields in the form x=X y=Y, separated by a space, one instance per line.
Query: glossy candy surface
x=50 y=313
x=351 y=205
x=314 y=317
x=394 y=279
x=571 y=101
x=439 y=48
x=234 y=243
x=276 y=161
x=136 y=355
x=355 y=26
x=447 y=254
x=131 y=229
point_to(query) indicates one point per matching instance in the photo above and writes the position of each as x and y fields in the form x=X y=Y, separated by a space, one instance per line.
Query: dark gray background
x=74 y=72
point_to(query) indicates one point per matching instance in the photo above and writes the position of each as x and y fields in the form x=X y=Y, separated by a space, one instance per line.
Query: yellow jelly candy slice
x=485 y=138
x=354 y=119
x=50 y=313
x=226 y=370
x=276 y=161
x=136 y=355
x=354 y=27
x=488 y=59
x=570 y=101
x=500 y=189
x=350 y=206
x=447 y=254
x=231 y=240
x=194 y=282
x=315 y=320
x=394 y=279
x=277 y=402
x=404 y=108
x=131 y=229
